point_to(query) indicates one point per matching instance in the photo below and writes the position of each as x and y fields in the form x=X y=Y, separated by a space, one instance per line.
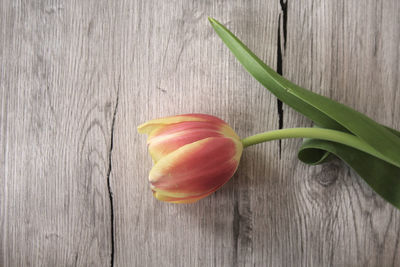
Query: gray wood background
x=77 y=77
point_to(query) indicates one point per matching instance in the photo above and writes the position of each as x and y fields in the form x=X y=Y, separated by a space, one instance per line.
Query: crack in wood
x=284 y=6
x=110 y=193
x=284 y=14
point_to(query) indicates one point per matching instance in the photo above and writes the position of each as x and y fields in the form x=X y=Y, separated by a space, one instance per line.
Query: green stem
x=316 y=133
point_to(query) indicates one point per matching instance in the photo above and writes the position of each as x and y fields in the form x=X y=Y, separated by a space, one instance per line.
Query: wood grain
x=348 y=51
x=58 y=89
x=78 y=77
x=180 y=66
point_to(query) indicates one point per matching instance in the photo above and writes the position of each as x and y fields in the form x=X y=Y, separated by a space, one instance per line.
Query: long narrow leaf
x=272 y=80
x=382 y=175
x=323 y=111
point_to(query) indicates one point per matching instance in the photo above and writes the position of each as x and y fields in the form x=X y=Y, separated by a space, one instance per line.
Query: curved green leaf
x=270 y=79
x=322 y=110
x=382 y=176
x=320 y=156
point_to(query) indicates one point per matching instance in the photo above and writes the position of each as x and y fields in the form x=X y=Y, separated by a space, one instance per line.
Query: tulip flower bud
x=193 y=154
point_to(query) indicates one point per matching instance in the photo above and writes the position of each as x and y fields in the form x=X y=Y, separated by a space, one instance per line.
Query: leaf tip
x=211 y=20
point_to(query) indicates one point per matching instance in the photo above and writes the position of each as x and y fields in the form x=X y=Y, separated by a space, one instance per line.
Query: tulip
x=193 y=155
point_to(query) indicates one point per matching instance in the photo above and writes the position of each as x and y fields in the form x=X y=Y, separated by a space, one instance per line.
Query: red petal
x=196 y=168
x=174 y=136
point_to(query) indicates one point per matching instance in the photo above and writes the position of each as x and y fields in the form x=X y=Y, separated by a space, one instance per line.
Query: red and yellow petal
x=196 y=167
x=152 y=126
x=177 y=135
x=194 y=155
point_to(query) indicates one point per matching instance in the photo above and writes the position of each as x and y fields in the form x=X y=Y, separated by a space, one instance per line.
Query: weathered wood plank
x=349 y=51
x=179 y=65
x=76 y=78
x=58 y=86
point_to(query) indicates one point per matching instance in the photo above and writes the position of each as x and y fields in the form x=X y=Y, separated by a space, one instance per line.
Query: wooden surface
x=77 y=77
